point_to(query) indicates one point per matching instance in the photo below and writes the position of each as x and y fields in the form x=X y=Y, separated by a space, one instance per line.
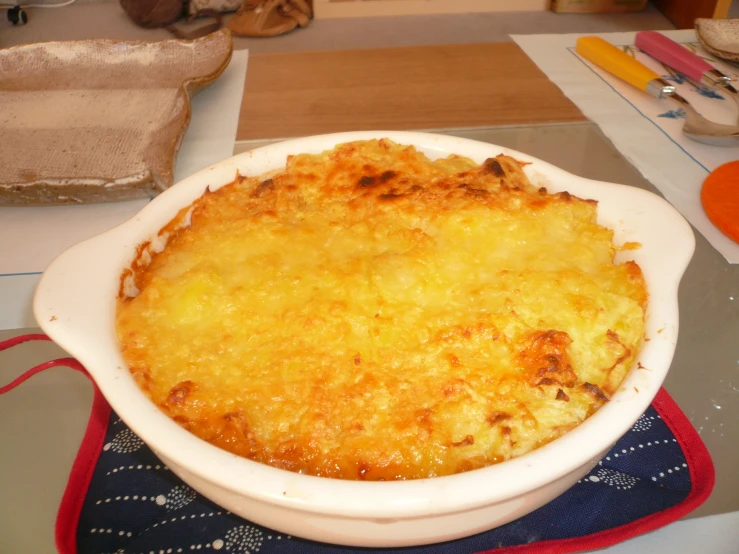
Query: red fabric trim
x=31 y=372
x=698 y=459
x=15 y=341
x=84 y=463
x=83 y=468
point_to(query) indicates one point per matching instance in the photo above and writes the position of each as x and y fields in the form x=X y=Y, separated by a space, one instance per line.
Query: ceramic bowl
x=75 y=304
x=98 y=120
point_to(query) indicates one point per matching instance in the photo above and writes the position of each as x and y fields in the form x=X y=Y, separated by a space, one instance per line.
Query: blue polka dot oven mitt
x=121 y=499
x=126 y=501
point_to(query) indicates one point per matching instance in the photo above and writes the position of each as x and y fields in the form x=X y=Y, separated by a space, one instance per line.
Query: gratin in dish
x=367 y=313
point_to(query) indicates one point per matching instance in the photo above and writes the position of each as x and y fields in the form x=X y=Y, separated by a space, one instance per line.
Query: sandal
x=270 y=18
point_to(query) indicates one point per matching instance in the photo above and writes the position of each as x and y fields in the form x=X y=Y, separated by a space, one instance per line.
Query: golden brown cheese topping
x=370 y=314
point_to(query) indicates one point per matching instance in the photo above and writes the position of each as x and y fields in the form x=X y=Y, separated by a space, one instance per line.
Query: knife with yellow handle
x=618 y=63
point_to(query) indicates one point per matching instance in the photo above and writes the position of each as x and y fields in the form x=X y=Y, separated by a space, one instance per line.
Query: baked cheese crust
x=370 y=314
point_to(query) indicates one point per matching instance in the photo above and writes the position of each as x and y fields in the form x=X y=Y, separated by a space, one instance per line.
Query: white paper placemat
x=30 y=238
x=646 y=130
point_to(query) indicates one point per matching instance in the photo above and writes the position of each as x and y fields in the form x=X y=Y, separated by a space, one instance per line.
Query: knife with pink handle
x=683 y=61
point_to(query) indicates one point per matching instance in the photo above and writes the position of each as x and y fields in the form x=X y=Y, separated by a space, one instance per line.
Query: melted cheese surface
x=370 y=314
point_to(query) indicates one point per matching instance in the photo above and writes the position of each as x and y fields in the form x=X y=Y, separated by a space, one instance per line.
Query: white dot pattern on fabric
x=672 y=470
x=124 y=442
x=95 y=530
x=644 y=423
x=612 y=478
x=178 y=497
x=137 y=467
x=632 y=449
x=124 y=498
x=244 y=539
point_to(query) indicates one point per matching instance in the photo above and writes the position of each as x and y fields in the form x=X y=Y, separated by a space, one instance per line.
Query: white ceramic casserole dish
x=75 y=304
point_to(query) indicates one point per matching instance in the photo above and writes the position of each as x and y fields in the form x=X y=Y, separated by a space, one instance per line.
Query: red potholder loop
x=88 y=454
